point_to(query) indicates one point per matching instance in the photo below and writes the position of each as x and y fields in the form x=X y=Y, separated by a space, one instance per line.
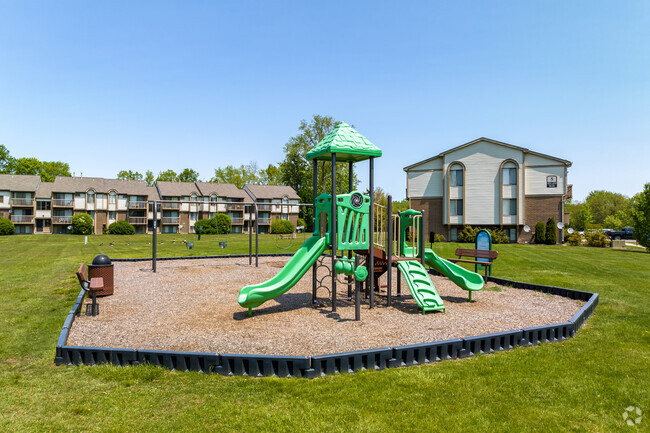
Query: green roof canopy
x=347 y=143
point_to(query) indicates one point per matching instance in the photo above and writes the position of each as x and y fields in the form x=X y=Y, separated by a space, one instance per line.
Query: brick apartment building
x=488 y=183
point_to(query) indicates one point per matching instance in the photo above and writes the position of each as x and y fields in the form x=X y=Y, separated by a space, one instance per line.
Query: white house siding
x=6 y=201
x=482 y=185
x=424 y=183
x=536 y=180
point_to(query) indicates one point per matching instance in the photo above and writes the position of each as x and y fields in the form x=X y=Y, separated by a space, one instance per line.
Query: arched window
x=456 y=177
x=112 y=197
x=213 y=198
x=193 y=197
x=90 y=196
x=509 y=173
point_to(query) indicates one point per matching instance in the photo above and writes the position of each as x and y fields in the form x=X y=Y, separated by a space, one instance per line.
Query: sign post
x=483 y=242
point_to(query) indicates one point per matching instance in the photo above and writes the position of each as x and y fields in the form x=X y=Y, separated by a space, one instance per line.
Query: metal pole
x=389 y=249
x=371 y=271
x=350 y=184
x=315 y=193
x=155 y=236
x=422 y=232
x=257 y=255
x=333 y=231
x=357 y=293
x=250 y=235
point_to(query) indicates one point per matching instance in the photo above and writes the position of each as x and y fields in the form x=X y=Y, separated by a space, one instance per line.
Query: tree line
x=47 y=170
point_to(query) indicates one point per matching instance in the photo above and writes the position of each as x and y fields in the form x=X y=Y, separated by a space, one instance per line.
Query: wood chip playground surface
x=191 y=305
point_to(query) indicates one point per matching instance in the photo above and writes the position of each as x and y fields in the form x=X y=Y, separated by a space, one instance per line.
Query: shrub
x=499 y=236
x=574 y=239
x=82 y=224
x=121 y=228
x=551 y=232
x=282 y=227
x=468 y=235
x=540 y=233
x=222 y=223
x=6 y=227
x=439 y=238
x=301 y=222
x=597 y=239
x=206 y=227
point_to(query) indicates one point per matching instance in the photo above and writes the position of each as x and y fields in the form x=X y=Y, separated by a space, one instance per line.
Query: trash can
x=102 y=267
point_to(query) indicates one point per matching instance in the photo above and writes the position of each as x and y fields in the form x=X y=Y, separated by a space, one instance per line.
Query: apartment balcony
x=22 y=202
x=138 y=204
x=170 y=220
x=171 y=205
x=22 y=219
x=138 y=220
x=264 y=221
x=237 y=220
x=62 y=202
x=263 y=207
x=62 y=219
x=234 y=206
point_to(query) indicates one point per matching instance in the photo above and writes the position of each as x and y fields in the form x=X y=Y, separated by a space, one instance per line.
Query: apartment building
x=17 y=200
x=488 y=183
x=273 y=202
x=224 y=198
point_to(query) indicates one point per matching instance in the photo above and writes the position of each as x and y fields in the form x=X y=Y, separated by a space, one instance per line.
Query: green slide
x=420 y=285
x=462 y=277
x=256 y=294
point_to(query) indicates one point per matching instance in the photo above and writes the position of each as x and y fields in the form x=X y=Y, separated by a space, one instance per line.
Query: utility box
x=102 y=267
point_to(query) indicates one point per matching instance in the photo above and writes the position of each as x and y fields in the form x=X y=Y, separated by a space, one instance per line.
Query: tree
x=121 y=228
x=580 y=216
x=271 y=175
x=223 y=223
x=129 y=175
x=149 y=178
x=167 y=176
x=6 y=161
x=25 y=166
x=6 y=227
x=612 y=222
x=82 y=224
x=51 y=169
x=551 y=232
x=641 y=216
x=540 y=233
x=188 y=175
x=238 y=176
x=606 y=203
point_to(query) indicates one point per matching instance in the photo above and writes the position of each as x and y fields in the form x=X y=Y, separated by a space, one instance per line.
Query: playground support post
x=315 y=193
x=357 y=293
x=389 y=249
x=257 y=256
x=155 y=238
x=371 y=235
x=422 y=232
x=350 y=184
x=333 y=231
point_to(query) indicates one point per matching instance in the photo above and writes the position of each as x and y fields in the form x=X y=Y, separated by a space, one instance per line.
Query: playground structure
x=353 y=224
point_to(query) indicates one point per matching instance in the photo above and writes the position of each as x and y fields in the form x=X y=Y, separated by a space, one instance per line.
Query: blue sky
x=154 y=85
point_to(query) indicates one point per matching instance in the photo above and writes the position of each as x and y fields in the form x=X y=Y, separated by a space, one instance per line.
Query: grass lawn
x=583 y=384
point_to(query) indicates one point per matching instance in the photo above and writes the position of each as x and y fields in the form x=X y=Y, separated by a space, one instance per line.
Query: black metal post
x=357 y=292
x=389 y=249
x=350 y=184
x=333 y=231
x=315 y=193
x=422 y=232
x=371 y=256
x=399 y=283
x=257 y=243
x=250 y=235
x=155 y=236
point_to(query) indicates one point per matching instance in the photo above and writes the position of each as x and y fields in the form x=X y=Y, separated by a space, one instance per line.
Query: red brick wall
x=433 y=212
x=540 y=209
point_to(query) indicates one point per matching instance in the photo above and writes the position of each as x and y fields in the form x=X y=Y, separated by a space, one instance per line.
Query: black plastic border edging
x=316 y=366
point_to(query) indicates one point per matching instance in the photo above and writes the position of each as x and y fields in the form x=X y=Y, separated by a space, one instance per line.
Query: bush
x=597 y=239
x=439 y=238
x=206 y=227
x=301 y=222
x=82 y=224
x=540 y=233
x=121 y=228
x=551 y=232
x=282 y=227
x=468 y=235
x=499 y=236
x=574 y=239
x=222 y=223
x=6 y=227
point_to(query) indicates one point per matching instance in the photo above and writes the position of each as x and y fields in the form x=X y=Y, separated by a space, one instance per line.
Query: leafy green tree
x=82 y=224
x=26 y=166
x=282 y=227
x=270 y=175
x=612 y=222
x=580 y=217
x=167 y=176
x=6 y=227
x=605 y=203
x=223 y=223
x=641 y=216
x=551 y=232
x=188 y=175
x=239 y=176
x=51 y=169
x=206 y=226
x=129 y=175
x=121 y=228
x=540 y=233
x=149 y=178
x=6 y=160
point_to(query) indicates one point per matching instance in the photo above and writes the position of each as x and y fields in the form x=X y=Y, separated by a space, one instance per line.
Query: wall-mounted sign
x=551 y=181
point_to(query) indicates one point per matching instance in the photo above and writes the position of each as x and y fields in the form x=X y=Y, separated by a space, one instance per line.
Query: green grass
x=583 y=384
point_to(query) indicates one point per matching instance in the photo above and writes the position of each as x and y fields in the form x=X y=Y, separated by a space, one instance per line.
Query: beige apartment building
x=18 y=200
x=273 y=202
x=489 y=183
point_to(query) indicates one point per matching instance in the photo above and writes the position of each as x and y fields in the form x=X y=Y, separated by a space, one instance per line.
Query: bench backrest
x=477 y=254
x=82 y=275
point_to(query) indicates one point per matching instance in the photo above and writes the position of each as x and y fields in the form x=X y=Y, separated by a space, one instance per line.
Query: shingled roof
x=347 y=143
x=227 y=190
x=271 y=191
x=19 y=182
x=98 y=184
x=177 y=189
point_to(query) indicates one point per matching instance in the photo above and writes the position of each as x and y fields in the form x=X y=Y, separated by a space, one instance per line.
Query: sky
x=155 y=85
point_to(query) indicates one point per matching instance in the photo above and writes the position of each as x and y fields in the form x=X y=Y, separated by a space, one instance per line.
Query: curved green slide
x=463 y=278
x=422 y=289
x=256 y=294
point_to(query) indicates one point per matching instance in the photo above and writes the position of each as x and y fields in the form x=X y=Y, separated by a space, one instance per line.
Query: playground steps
x=422 y=289
x=381 y=263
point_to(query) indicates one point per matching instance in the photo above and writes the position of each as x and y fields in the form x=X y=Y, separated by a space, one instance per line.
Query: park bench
x=92 y=286
x=490 y=255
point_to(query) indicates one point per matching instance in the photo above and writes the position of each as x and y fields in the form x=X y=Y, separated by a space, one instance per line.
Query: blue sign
x=483 y=242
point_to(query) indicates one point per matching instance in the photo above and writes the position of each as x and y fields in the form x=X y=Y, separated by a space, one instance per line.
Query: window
x=456 y=176
x=213 y=198
x=193 y=197
x=510 y=206
x=2 y=198
x=41 y=205
x=285 y=216
x=512 y=234
x=111 y=215
x=454 y=234
x=112 y=197
x=510 y=176
x=193 y=216
x=91 y=197
x=455 y=207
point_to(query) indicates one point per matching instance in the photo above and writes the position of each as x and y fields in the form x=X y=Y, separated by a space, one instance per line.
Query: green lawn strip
x=582 y=384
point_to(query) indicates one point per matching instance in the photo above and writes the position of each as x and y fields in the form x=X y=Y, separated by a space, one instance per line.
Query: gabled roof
x=19 y=182
x=271 y=191
x=152 y=193
x=64 y=184
x=177 y=189
x=347 y=143
x=44 y=190
x=227 y=190
x=489 y=140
